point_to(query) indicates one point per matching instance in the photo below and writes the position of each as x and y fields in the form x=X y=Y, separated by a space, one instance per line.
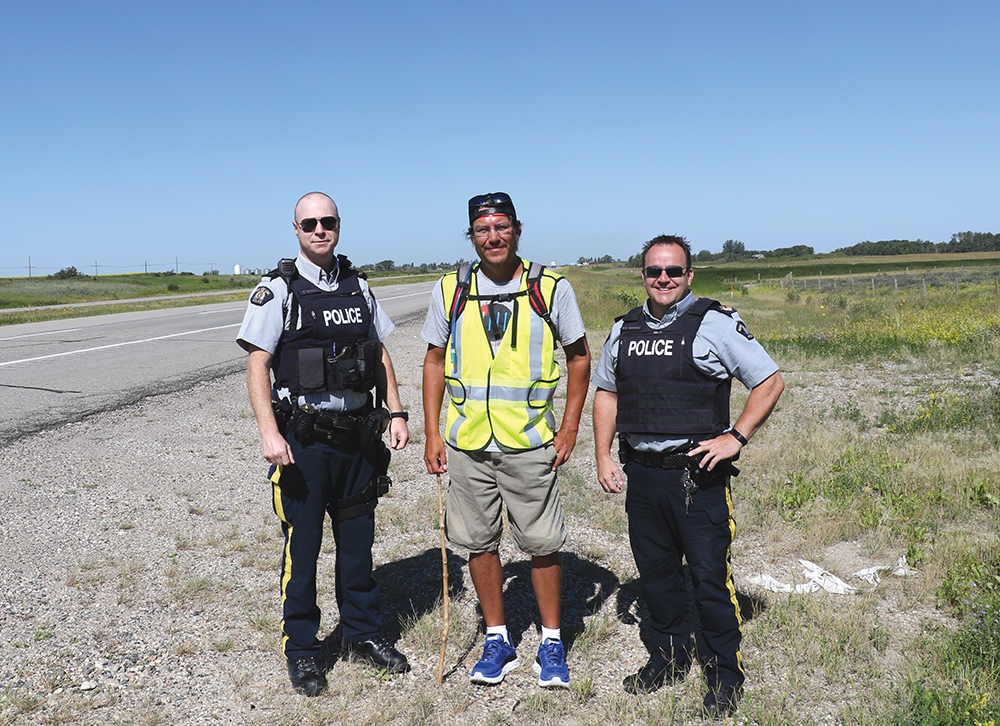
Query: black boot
x=306 y=676
x=377 y=652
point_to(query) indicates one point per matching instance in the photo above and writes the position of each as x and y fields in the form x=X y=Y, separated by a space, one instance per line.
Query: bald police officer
x=315 y=324
x=663 y=383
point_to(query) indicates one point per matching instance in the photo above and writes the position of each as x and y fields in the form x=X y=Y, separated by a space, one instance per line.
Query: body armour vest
x=327 y=346
x=660 y=389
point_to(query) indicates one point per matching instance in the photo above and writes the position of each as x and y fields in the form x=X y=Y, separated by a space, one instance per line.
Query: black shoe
x=722 y=702
x=306 y=676
x=657 y=672
x=377 y=652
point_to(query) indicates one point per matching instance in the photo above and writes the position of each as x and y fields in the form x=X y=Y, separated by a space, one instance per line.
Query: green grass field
x=184 y=289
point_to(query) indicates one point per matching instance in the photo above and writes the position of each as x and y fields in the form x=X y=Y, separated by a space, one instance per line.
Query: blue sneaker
x=498 y=660
x=550 y=665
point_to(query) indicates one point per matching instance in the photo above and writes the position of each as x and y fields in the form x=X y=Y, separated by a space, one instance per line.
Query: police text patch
x=741 y=328
x=261 y=295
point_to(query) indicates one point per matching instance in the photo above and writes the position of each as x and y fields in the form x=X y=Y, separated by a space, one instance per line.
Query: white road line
x=400 y=297
x=47 y=332
x=118 y=345
x=226 y=310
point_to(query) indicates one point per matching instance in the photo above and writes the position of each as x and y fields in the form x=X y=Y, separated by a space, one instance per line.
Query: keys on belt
x=690 y=486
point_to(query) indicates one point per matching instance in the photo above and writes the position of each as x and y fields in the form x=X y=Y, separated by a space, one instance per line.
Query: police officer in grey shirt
x=314 y=324
x=663 y=383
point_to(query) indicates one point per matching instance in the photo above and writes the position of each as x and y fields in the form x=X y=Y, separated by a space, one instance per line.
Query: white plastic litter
x=828 y=581
x=821 y=579
x=769 y=583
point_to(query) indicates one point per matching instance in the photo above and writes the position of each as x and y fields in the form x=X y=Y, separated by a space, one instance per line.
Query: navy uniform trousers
x=661 y=533
x=303 y=494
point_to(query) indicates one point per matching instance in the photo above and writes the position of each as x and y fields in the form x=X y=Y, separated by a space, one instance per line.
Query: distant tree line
x=960 y=242
x=733 y=250
x=391 y=266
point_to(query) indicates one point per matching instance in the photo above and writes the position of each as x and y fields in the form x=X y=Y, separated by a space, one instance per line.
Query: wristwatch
x=400 y=414
x=738 y=436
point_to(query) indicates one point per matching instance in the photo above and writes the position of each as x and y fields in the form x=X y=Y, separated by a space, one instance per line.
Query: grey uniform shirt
x=723 y=348
x=266 y=319
x=565 y=315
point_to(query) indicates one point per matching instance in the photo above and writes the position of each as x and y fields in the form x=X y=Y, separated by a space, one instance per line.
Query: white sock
x=551 y=633
x=499 y=629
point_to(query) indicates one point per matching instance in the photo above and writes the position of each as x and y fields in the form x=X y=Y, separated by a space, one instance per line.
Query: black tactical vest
x=660 y=389
x=331 y=350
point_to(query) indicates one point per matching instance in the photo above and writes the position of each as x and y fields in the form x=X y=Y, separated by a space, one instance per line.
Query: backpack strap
x=535 y=297
x=461 y=296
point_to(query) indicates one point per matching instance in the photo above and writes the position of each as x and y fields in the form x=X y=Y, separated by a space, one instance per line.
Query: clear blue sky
x=140 y=132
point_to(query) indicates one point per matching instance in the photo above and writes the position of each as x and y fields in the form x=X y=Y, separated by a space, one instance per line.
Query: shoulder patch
x=741 y=328
x=261 y=295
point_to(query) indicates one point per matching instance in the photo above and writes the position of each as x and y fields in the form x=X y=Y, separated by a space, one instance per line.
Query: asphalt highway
x=64 y=370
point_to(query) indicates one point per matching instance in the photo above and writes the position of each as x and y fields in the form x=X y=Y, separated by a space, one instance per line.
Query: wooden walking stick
x=444 y=573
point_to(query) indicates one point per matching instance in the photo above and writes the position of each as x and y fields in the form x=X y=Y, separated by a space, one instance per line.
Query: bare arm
x=605 y=418
x=385 y=381
x=273 y=444
x=435 y=453
x=577 y=380
x=759 y=405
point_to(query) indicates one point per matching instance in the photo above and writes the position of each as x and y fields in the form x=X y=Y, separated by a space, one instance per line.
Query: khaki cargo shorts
x=523 y=481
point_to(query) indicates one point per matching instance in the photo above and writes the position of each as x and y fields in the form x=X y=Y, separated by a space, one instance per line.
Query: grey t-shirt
x=722 y=348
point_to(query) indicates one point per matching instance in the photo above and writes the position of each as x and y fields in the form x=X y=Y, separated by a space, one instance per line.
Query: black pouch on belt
x=373 y=426
x=305 y=422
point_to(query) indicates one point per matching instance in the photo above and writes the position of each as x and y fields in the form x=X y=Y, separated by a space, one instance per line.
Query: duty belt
x=659 y=460
x=309 y=424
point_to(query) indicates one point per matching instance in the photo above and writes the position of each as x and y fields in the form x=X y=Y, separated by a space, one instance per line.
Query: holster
x=366 y=500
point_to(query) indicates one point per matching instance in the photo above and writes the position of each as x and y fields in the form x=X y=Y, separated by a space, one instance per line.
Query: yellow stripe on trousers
x=730 y=585
x=286 y=575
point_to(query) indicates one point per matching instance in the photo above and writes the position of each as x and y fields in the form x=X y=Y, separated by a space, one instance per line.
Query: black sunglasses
x=309 y=223
x=653 y=272
x=488 y=199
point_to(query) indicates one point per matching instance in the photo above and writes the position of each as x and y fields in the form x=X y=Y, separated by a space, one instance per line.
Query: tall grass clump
x=958 y=685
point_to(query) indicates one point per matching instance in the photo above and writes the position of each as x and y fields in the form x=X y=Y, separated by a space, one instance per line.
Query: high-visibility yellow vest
x=508 y=396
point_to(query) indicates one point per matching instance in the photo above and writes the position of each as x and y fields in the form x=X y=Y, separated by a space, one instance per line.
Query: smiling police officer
x=663 y=382
x=316 y=326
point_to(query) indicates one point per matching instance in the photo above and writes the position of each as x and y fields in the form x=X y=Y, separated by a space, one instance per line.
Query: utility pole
x=95 y=268
x=29 y=268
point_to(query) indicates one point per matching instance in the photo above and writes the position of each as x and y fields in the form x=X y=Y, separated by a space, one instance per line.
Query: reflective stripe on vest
x=507 y=397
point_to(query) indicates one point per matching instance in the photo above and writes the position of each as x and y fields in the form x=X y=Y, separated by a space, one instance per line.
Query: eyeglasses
x=652 y=272
x=481 y=200
x=309 y=223
x=501 y=229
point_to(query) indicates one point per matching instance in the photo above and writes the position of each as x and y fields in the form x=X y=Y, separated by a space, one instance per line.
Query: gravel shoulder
x=140 y=583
